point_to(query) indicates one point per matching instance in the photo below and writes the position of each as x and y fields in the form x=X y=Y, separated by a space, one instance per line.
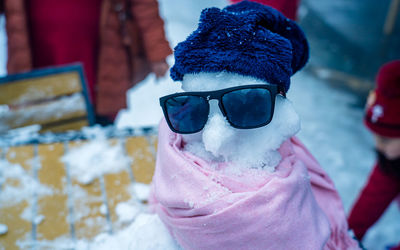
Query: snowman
x=229 y=172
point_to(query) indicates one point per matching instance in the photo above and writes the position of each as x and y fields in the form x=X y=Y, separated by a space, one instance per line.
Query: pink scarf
x=296 y=207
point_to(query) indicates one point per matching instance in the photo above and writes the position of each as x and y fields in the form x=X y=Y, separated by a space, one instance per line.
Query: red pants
x=376 y=196
x=65 y=31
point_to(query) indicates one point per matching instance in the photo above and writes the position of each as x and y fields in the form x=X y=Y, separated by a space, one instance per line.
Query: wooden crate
x=55 y=98
x=42 y=162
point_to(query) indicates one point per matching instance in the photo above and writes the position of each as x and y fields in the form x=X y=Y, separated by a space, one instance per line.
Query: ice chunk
x=3 y=229
x=38 y=219
x=127 y=212
x=141 y=191
x=103 y=209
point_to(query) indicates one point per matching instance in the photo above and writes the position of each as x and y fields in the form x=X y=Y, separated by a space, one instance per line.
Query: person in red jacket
x=383 y=119
x=118 y=43
x=287 y=7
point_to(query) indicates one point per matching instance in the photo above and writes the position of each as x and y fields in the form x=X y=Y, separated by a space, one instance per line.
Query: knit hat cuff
x=383 y=129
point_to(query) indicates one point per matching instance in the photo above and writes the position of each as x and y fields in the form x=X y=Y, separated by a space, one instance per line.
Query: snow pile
x=141 y=191
x=83 y=209
x=126 y=212
x=251 y=148
x=144 y=109
x=59 y=244
x=96 y=157
x=147 y=232
x=140 y=230
x=30 y=215
x=20 y=135
x=20 y=185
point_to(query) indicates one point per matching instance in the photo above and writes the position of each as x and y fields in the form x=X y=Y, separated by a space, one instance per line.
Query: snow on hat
x=246 y=38
x=383 y=107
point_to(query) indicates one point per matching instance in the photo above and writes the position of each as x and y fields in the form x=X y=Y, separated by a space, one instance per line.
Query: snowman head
x=244 y=101
x=246 y=54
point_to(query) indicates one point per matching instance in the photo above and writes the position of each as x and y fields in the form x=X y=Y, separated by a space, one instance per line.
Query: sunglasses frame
x=217 y=95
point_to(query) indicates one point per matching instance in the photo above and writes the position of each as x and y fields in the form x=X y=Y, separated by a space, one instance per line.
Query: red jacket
x=107 y=61
x=381 y=189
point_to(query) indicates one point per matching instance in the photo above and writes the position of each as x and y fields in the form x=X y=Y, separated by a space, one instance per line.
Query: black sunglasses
x=245 y=107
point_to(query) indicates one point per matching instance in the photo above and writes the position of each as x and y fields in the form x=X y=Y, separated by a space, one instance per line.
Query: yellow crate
x=55 y=98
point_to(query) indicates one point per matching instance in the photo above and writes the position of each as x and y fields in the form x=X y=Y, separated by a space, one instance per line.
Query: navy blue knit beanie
x=246 y=38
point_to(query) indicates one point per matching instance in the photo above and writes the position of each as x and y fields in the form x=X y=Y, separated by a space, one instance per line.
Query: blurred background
x=351 y=38
x=349 y=41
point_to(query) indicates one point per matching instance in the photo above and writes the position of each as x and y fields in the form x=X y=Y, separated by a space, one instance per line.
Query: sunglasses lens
x=248 y=108
x=187 y=114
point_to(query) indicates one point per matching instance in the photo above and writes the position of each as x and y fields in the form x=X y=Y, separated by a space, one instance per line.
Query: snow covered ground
x=331 y=120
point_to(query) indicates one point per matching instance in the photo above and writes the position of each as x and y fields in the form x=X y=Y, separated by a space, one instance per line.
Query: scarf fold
x=207 y=206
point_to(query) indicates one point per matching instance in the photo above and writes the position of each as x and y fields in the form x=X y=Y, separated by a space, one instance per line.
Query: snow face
x=248 y=148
